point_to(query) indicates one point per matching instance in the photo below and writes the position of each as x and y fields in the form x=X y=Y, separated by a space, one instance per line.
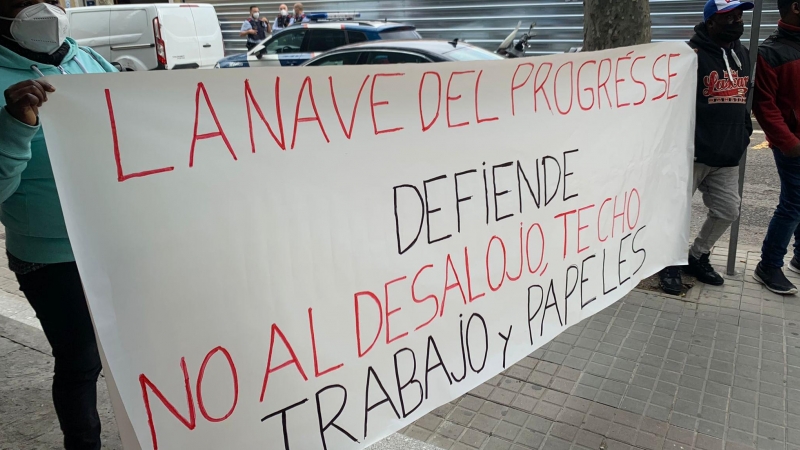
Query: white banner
x=319 y=256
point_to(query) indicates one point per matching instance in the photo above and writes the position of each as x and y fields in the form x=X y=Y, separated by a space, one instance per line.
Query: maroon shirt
x=777 y=97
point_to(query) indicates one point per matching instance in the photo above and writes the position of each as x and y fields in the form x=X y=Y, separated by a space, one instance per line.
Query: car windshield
x=259 y=46
x=400 y=34
x=472 y=54
x=289 y=41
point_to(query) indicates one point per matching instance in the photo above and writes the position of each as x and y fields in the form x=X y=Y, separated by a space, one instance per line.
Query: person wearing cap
x=283 y=20
x=722 y=132
x=777 y=108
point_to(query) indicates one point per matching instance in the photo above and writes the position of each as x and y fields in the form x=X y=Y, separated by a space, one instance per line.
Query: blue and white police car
x=301 y=42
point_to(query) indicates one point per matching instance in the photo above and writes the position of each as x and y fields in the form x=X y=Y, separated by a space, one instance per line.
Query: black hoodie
x=723 y=126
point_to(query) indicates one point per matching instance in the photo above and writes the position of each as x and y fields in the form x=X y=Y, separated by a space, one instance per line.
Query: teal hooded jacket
x=29 y=205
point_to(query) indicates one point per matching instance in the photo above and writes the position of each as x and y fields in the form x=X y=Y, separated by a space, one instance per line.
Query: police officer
x=256 y=28
x=299 y=15
x=283 y=20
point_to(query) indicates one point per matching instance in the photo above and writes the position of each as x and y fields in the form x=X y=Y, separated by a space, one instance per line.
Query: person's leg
x=720 y=190
x=783 y=225
x=786 y=218
x=794 y=265
x=56 y=294
x=670 y=277
x=699 y=173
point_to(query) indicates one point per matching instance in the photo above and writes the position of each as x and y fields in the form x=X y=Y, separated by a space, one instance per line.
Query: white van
x=150 y=36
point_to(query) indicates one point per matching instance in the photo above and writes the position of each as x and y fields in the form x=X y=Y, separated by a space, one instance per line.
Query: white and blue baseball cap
x=723 y=6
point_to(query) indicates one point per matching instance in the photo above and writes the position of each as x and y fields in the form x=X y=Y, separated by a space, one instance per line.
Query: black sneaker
x=773 y=279
x=701 y=269
x=794 y=265
x=671 y=282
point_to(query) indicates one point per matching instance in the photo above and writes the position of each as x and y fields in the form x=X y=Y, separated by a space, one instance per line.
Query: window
x=356 y=36
x=401 y=34
x=324 y=40
x=386 y=57
x=289 y=41
x=472 y=54
x=339 y=59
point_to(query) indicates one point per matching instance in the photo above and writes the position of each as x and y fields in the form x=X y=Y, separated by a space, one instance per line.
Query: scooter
x=509 y=49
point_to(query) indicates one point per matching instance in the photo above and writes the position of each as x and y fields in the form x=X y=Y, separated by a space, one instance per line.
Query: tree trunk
x=615 y=23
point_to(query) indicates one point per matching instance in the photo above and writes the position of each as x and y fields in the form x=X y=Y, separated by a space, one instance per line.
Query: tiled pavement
x=718 y=369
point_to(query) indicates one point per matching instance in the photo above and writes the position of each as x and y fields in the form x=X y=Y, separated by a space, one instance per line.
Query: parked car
x=298 y=43
x=150 y=36
x=403 y=52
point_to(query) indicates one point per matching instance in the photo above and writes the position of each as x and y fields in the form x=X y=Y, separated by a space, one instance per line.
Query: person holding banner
x=777 y=108
x=722 y=132
x=34 y=44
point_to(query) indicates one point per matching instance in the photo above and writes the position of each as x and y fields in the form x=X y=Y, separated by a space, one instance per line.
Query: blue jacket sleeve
x=15 y=152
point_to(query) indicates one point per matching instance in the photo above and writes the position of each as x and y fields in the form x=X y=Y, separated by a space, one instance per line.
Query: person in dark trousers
x=256 y=28
x=33 y=45
x=777 y=108
x=722 y=132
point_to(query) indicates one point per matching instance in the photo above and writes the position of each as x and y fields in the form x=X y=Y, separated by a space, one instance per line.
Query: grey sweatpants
x=720 y=188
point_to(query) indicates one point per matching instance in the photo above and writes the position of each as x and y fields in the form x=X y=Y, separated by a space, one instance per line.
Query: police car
x=301 y=42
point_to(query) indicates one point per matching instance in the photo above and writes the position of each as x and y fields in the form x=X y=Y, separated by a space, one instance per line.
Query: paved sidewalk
x=27 y=418
x=719 y=369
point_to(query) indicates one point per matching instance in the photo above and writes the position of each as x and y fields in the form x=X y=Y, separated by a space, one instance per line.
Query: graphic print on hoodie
x=730 y=88
x=723 y=127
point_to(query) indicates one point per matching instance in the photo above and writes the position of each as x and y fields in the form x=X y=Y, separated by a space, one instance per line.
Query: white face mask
x=255 y=15
x=40 y=28
x=284 y=13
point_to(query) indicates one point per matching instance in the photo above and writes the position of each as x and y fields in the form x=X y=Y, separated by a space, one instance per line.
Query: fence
x=559 y=25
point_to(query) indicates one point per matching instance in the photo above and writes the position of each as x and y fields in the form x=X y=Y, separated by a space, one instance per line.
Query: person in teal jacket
x=33 y=45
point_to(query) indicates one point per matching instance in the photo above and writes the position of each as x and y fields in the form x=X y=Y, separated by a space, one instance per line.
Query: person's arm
x=246 y=29
x=19 y=123
x=15 y=152
x=767 y=112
